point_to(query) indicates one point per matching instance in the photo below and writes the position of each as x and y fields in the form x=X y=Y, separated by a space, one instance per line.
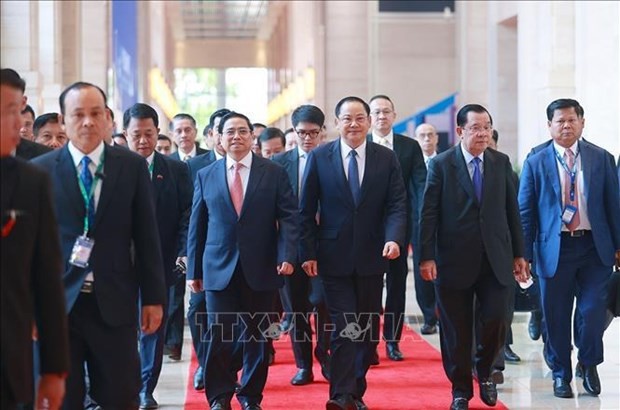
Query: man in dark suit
x=172 y=190
x=197 y=309
x=357 y=188
x=243 y=234
x=306 y=294
x=31 y=289
x=28 y=150
x=104 y=201
x=472 y=246
x=570 y=213
x=183 y=128
x=411 y=162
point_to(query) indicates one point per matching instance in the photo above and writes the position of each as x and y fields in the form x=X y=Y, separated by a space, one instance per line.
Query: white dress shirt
x=95 y=158
x=470 y=164
x=187 y=157
x=361 y=159
x=244 y=171
x=387 y=141
x=301 y=167
x=584 y=221
x=428 y=158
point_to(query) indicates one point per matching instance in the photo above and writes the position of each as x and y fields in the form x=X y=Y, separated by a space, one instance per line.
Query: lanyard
x=88 y=197
x=572 y=173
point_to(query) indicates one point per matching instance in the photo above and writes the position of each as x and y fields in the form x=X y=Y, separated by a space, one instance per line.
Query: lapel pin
x=160 y=176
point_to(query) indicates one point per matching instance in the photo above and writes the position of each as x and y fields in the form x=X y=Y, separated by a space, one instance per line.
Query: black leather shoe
x=325 y=368
x=533 y=327
x=359 y=404
x=427 y=329
x=488 y=392
x=374 y=359
x=303 y=376
x=562 y=389
x=591 y=382
x=251 y=406
x=497 y=376
x=174 y=352
x=510 y=356
x=221 y=404
x=393 y=352
x=459 y=403
x=148 y=402
x=579 y=370
x=341 y=402
x=199 y=379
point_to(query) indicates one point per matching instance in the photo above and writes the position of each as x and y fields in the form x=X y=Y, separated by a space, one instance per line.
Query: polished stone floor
x=528 y=384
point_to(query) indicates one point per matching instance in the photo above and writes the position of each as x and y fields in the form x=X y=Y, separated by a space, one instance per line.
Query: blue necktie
x=354 y=178
x=87 y=180
x=477 y=179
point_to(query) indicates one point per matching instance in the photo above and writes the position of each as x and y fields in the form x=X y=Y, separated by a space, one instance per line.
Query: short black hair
x=461 y=116
x=272 y=133
x=289 y=130
x=233 y=114
x=382 y=97
x=30 y=110
x=119 y=135
x=308 y=113
x=564 y=103
x=495 y=136
x=162 y=137
x=258 y=124
x=351 y=99
x=9 y=77
x=183 y=116
x=206 y=129
x=140 y=111
x=218 y=114
x=78 y=86
x=42 y=120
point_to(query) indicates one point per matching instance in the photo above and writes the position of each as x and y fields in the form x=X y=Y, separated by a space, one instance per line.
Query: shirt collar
x=246 y=161
x=389 y=137
x=433 y=155
x=468 y=156
x=345 y=149
x=561 y=150
x=217 y=155
x=149 y=159
x=77 y=155
x=192 y=154
x=301 y=152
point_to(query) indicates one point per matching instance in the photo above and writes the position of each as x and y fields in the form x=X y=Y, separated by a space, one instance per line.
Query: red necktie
x=569 y=158
x=236 y=189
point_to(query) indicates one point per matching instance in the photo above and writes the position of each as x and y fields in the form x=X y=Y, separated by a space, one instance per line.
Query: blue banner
x=125 y=52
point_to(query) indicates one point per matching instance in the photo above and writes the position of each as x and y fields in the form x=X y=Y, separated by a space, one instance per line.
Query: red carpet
x=418 y=382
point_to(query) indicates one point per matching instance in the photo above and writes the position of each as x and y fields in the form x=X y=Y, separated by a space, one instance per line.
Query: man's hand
x=195 y=285
x=151 y=318
x=310 y=267
x=182 y=260
x=391 y=250
x=50 y=391
x=285 y=269
x=618 y=259
x=521 y=270
x=428 y=270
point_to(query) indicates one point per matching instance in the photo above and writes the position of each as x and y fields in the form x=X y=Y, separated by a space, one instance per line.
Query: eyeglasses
x=312 y=134
x=357 y=120
x=478 y=129
x=243 y=132
x=385 y=112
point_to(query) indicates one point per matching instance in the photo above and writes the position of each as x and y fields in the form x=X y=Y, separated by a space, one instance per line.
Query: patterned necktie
x=477 y=179
x=186 y=158
x=354 y=178
x=87 y=180
x=569 y=158
x=236 y=189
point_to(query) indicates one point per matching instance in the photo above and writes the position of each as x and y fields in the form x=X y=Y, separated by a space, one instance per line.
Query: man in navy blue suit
x=357 y=188
x=110 y=248
x=243 y=235
x=570 y=213
x=172 y=194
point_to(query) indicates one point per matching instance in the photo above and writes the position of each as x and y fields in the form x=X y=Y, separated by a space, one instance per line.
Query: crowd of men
x=103 y=232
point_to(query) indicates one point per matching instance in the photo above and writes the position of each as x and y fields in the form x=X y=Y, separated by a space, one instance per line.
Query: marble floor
x=528 y=384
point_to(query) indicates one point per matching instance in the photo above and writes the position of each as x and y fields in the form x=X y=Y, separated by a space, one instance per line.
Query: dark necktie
x=87 y=180
x=477 y=179
x=354 y=177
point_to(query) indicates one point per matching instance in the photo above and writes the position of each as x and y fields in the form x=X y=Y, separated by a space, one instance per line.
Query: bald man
x=428 y=138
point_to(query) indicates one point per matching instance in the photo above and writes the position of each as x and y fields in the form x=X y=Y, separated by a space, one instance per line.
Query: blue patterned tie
x=477 y=179
x=354 y=177
x=87 y=180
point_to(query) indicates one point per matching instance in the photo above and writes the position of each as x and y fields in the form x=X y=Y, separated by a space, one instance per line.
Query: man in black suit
x=357 y=187
x=243 y=234
x=411 y=162
x=306 y=294
x=31 y=288
x=109 y=233
x=472 y=245
x=28 y=150
x=172 y=189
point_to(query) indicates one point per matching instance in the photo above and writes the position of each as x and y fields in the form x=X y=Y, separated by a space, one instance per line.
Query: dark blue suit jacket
x=263 y=236
x=126 y=258
x=199 y=162
x=172 y=193
x=350 y=239
x=540 y=203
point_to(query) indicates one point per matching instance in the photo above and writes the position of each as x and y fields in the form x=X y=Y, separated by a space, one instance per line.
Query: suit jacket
x=31 y=280
x=199 y=151
x=540 y=204
x=456 y=230
x=412 y=165
x=172 y=193
x=126 y=258
x=27 y=149
x=199 y=162
x=263 y=236
x=350 y=239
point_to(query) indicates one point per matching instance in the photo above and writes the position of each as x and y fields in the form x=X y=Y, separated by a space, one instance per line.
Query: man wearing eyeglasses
x=471 y=247
x=413 y=170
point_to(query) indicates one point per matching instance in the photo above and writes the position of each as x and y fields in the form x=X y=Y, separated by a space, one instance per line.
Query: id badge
x=81 y=251
x=568 y=214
